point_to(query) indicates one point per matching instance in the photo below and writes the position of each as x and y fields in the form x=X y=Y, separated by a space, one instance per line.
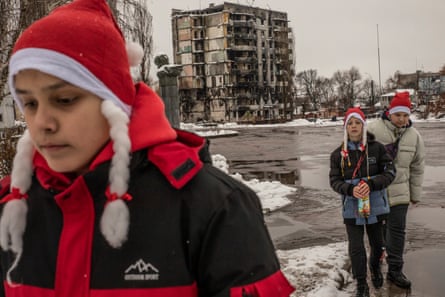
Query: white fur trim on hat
x=63 y=67
x=400 y=108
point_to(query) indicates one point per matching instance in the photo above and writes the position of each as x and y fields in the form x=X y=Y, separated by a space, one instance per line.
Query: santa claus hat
x=353 y=112
x=400 y=103
x=81 y=44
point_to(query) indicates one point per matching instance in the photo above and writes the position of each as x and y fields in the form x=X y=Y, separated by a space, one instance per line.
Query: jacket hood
x=148 y=124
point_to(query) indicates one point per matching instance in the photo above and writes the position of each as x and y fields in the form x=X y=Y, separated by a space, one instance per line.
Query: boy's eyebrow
x=52 y=87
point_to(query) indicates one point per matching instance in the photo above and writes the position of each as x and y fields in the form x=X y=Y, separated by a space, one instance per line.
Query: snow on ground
x=319 y=271
x=272 y=193
x=224 y=128
x=227 y=126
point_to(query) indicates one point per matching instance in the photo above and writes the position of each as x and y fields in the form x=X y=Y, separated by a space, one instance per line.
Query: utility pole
x=378 y=57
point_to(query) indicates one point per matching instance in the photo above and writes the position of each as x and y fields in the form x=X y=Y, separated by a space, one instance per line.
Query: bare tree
x=393 y=82
x=347 y=86
x=8 y=142
x=136 y=23
x=367 y=90
x=310 y=85
x=16 y=15
x=327 y=93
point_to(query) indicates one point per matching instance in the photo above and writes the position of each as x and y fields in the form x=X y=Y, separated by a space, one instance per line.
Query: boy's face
x=399 y=119
x=65 y=122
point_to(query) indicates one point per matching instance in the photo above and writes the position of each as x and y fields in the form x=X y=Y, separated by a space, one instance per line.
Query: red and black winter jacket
x=194 y=231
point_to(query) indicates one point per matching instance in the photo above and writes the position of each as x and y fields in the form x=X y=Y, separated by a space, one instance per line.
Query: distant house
x=431 y=85
x=409 y=80
x=428 y=85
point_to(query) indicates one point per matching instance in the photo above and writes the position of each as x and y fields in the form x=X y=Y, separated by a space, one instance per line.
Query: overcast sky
x=333 y=35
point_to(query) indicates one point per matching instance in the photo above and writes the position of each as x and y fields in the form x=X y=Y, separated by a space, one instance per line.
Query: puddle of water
x=431 y=218
x=280 y=225
x=287 y=178
x=426 y=269
x=313 y=172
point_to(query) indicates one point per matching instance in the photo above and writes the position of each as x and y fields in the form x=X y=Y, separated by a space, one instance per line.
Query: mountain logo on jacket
x=141 y=271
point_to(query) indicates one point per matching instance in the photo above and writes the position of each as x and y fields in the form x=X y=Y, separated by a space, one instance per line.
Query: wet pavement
x=299 y=156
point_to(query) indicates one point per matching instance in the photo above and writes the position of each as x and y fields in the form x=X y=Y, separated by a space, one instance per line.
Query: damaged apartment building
x=237 y=63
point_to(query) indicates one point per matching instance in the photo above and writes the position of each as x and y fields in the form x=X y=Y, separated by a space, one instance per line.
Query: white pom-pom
x=115 y=222
x=12 y=225
x=135 y=52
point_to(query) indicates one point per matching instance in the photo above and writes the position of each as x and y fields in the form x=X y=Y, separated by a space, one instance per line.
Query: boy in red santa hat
x=395 y=130
x=105 y=197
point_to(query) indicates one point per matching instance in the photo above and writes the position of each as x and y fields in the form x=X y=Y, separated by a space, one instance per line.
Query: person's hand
x=361 y=190
x=356 y=192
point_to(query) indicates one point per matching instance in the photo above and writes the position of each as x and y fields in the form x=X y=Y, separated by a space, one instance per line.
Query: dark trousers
x=395 y=236
x=357 y=250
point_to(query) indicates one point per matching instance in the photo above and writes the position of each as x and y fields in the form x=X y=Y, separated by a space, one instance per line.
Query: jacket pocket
x=379 y=202
x=405 y=155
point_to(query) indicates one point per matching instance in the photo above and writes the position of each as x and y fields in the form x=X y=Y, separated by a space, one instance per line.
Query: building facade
x=237 y=63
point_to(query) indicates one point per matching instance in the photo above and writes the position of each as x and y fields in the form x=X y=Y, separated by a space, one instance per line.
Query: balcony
x=242 y=48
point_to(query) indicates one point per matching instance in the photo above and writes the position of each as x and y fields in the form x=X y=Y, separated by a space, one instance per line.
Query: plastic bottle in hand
x=364 y=207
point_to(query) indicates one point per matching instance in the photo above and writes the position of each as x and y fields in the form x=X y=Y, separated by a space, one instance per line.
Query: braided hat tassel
x=115 y=219
x=13 y=218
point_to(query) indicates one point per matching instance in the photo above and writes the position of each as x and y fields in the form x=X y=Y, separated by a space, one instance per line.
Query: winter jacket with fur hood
x=193 y=230
x=376 y=169
x=409 y=159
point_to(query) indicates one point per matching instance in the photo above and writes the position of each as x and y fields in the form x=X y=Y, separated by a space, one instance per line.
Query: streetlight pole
x=378 y=57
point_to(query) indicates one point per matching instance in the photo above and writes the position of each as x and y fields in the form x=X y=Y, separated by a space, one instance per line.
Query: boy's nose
x=45 y=120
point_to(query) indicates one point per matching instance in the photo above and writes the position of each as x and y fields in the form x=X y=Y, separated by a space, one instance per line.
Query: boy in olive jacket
x=395 y=130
